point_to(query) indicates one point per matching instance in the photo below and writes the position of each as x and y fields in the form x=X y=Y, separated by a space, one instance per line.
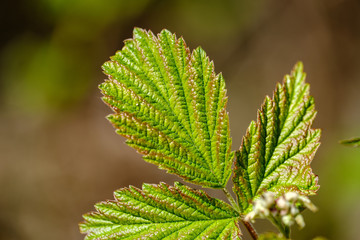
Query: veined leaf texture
x=162 y=212
x=277 y=150
x=171 y=107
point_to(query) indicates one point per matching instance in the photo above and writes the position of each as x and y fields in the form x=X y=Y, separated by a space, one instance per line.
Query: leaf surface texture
x=171 y=107
x=277 y=150
x=161 y=212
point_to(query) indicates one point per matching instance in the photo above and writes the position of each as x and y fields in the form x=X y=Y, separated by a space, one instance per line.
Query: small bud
x=306 y=201
x=294 y=210
x=291 y=196
x=287 y=220
x=250 y=216
x=261 y=210
x=269 y=198
x=285 y=208
x=300 y=221
x=281 y=203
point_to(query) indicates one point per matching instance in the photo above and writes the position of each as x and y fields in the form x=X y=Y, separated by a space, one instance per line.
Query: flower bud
x=291 y=196
x=287 y=220
x=300 y=221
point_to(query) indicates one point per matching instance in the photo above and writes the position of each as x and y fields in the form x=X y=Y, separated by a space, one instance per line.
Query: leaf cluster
x=170 y=105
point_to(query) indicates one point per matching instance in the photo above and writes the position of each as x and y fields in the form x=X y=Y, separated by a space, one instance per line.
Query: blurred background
x=58 y=153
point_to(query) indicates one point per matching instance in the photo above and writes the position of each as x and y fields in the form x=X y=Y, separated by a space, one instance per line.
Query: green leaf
x=161 y=212
x=170 y=105
x=354 y=142
x=277 y=150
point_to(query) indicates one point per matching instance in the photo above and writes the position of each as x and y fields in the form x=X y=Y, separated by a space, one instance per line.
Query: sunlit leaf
x=170 y=105
x=277 y=150
x=162 y=212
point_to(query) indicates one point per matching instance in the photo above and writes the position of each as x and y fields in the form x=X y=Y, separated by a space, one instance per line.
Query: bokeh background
x=58 y=154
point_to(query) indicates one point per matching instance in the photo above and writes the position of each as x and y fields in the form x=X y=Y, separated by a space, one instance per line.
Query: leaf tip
x=299 y=66
x=298 y=73
x=140 y=33
x=137 y=31
x=166 y=32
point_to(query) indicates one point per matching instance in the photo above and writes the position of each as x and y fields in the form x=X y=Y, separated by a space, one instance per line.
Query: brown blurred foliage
x=58 y=155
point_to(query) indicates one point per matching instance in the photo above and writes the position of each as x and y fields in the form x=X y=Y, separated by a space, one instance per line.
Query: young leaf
x=170 y=105
x=162 y=212
x=277 y=150
x=354 y=142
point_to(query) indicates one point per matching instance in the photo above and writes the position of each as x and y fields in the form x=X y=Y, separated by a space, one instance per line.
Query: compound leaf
x=170 y=105
x=161 y=212
x=277 y=150
x=354 y=142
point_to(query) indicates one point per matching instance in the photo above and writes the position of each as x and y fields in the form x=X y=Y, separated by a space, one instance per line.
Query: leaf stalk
x=232 y=200
x=284 y=230
x=248 y=225
x=250 y=229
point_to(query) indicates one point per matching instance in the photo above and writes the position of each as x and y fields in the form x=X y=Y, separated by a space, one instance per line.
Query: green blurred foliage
x=51 y=72
x=49 y=77
x=88 y=12
x=45 y=74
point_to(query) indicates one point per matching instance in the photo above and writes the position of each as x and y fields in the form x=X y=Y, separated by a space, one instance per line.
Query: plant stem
x=287 y=231
x=248 y=225
x=284 y=230
x=250 y=229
